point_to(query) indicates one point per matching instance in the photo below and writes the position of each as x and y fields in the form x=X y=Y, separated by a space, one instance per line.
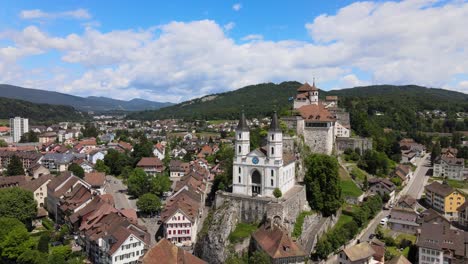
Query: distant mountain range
x=263 y=99
x=91 y=103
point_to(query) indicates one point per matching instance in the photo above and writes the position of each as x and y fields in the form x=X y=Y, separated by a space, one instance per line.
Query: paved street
x=118 y=190
x=415 y=188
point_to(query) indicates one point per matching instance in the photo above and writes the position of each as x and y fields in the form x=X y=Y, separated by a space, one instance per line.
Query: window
x=272 y=183
x=240 y=149
x=240 y=135
x=239 y=170
x=239 y=179
x=272 y=151
x=272 y=173
x=272 y=136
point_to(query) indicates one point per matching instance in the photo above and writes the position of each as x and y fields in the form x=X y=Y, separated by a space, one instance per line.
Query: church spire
x=242 y=126
x=274 y=126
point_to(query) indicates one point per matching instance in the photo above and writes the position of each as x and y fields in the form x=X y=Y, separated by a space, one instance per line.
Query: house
x=159 y=151
x=47 y=137
x=12 y=181
x=121 y=146
x=164 y=252
x=57 y=188
x=444 y=198
x=277 y=244
x=358 y=254
x=151 y=165
x=37 y=170
x=449 y=167
x=379 y=249
x=177 y=169
x=96 y=180
x=28 y=158
x=438 y=244
x=205 y=151
x=86 y=165
x=382 y=186
x=178 y=152
x=406 y=201
x=409 y=145
x=403 y=221
x=408 y=156
x=432 y=216
x=4 y=130
x=78 y=197
x=85 y=145
x=403 y=172
x=39 y=189
x=58 y=162
x=96 y=154
x=463 y=215
x=399 y=260
x=181 y=215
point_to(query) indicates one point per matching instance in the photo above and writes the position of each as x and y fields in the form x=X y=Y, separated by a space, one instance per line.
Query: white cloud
x=229 y=26
x=39 y=14
x=252 y=37
x=404 y=42
x=236 y=7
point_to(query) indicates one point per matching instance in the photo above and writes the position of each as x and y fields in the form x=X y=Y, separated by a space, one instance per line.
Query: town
x=296 y=186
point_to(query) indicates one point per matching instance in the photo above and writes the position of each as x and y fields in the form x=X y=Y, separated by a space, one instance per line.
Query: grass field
x=453 y=183
x=242 y=231
x=348 y=187
x=343 y=220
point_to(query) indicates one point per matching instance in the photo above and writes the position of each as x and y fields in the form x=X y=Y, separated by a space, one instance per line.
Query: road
x=118 y=190
x=415 y=188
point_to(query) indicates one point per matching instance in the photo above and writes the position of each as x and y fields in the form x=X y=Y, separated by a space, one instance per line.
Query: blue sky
x=177 y=50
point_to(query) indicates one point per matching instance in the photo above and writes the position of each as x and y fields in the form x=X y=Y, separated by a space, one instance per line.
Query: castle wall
x=320 y=139
x=352 y=143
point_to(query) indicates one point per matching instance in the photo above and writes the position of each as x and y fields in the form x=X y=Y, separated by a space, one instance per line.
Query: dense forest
x=38 y=113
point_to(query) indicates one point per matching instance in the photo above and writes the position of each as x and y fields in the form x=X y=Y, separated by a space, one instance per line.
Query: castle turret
x=242 y=137
x=275 y=139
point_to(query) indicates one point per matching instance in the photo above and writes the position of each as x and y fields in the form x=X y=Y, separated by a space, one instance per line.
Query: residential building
x=362 y=253
x=58 y=162
x=12 y=181
x=47 y=137
x=159 y=151
x=450 y=167
x=409 y=145
x=463 y=215
x=177 y=169
x=398 y=260
x=28 y=158
x=382 y=186
x=37 y=170
x=151 y=165
x=96 y=154
x=96 y=180
x=439 y=244
x=278 y=245
x=164 y=252
x=19 y=126
x=432 y=216
x=403 y=172
x=444 y=198
x=260 y=171
x=403 y=221
x=407 y=201
x=39 y=189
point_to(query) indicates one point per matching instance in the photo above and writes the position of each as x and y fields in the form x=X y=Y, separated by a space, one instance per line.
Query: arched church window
x=240 y=135
x=272 y=136
x=272 y=183
x=272 y=173
x=240 y=148
x=239 y=179
x=272 y=151
x=239 y=170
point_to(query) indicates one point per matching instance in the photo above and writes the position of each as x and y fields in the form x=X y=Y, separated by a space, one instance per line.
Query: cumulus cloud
x=414 y=41
x=39 y=14
x=229 y=26
x=236 y=7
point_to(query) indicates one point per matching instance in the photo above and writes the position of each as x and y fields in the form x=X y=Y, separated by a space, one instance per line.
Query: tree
x=59 y=254
x=3 y=144
x=77 y=170
x=149 y=203
x=43 y=244
x=323 y=183
x=30 y=136
x=15 y=167
x=277 y=193
x=138 y=183
x=160 y=184
x=15 y=243
x=323 y=248
x=259 y=257
x=18 y=203
x=89 y=130
x=116 y=161
x=8 y=224
x=435 y=153
x=101 y=167
x=32 y=256
x=444 y=142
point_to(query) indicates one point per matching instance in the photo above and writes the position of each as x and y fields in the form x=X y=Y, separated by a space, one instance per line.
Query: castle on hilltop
x=261 y=171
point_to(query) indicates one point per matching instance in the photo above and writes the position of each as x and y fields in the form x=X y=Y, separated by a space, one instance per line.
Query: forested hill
x=38 y=113
x=256 y=100
x=262 y=99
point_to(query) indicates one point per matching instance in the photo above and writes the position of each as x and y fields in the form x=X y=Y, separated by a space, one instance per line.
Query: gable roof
x=359 y=251
x=150 y=162
x=164 y=252
x=439 y=188
x=399 y=260
x=316 y=113
x=33 y=185
x=306 y=87
x=276 y=242
x=95 y=179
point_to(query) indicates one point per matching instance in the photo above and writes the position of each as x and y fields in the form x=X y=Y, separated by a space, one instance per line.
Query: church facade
x=259 y=172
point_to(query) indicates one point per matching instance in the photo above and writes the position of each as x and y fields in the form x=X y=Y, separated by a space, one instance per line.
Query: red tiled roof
x=164 y=252
x=316 y=113
x=95 y=178
x=150 y=162
x=306 y=88
x=277 y=243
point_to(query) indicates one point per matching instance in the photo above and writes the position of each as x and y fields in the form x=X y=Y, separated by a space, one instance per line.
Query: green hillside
x=38 y=113
x=256 y=100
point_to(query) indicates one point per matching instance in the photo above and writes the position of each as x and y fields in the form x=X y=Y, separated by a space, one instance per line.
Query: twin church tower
x=262 y=170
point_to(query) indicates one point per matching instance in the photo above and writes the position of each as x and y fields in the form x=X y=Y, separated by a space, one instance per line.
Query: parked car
x=384 y=221
x=371 y=236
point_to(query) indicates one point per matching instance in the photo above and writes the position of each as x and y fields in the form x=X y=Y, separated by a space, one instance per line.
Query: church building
x=260 y=171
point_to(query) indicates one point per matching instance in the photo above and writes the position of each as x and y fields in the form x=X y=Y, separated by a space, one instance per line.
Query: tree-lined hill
x=261 y=99
x=91 y=103
x=38 y=113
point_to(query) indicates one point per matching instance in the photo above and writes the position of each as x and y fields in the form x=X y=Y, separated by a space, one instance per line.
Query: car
x=371 y=236
x=384 y=221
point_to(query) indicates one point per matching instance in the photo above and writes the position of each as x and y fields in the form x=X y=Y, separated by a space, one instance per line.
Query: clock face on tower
x=255 y=160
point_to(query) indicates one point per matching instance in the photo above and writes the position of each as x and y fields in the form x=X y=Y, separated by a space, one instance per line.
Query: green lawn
x=343 y=220
x=348 y=187
x=453 y=183
x=408 y=237
x=241 y=232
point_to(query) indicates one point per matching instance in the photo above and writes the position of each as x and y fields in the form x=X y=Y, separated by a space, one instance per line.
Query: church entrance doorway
x=256 y=183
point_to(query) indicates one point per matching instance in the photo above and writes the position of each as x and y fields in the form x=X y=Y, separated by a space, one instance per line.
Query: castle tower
x=242 y=137
x=275 y=139
x=314 y=94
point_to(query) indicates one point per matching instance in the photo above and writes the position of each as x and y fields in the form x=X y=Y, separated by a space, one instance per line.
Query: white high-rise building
x=18 y=127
